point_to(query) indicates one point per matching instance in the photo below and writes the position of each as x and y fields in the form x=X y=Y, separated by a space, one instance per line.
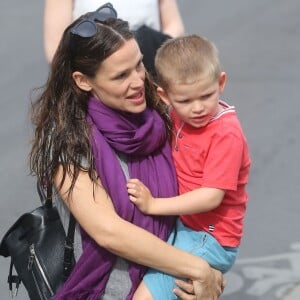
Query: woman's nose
x=138 y=79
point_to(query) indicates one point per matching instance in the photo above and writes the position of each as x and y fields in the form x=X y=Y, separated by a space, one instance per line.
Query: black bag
x=40 y=251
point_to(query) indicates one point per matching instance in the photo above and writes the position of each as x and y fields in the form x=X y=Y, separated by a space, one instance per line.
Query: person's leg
x=157 y=285
x=142 y=293
x=218 y=257
x=203 y=244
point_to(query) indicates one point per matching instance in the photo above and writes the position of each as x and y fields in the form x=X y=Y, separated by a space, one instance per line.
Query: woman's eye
x=121 y=76
x=140 y=65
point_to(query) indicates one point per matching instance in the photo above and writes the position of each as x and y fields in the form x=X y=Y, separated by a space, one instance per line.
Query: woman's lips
x=137 y=98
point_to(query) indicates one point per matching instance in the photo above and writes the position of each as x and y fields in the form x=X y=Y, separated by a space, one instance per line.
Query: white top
x=136 y=12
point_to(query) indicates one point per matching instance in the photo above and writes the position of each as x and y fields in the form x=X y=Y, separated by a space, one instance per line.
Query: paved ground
x=259 y=42
x=293 y=294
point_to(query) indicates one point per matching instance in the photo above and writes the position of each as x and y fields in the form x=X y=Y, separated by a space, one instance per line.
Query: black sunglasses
x=87 y=28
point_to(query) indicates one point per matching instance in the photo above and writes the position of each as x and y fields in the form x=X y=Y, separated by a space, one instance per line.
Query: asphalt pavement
x=259 y=43
x=293 y=294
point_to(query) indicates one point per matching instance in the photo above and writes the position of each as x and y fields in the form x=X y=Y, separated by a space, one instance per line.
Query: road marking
x=273 y=274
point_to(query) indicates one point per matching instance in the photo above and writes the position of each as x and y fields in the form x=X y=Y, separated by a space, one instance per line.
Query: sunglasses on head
x=87 y=28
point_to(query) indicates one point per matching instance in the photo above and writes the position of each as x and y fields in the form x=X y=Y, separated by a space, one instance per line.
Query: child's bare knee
x=142 y=293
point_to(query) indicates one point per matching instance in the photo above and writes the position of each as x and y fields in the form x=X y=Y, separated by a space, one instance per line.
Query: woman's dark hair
x=61 y=135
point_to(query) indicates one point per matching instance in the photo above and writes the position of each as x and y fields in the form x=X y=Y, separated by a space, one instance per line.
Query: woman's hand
x=185 y=290
x=209 y=288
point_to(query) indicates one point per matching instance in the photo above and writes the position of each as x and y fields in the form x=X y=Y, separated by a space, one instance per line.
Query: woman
x=97 y=119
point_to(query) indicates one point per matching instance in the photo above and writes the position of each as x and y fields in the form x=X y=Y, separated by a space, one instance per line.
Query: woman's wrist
x=201 y=271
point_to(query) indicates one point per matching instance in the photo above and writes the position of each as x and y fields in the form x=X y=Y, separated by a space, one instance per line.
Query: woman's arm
x=57 y=16
x=171 y=21
x=93 y=209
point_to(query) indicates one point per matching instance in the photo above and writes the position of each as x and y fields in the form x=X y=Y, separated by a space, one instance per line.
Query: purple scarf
x=142 y=138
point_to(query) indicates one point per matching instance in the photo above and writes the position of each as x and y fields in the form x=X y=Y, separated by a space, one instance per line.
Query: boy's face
x=195 y=103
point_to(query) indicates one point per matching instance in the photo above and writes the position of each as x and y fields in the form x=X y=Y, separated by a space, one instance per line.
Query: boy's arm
x=196 y=201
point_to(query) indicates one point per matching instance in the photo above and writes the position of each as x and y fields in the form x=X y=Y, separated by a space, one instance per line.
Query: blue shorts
x=199 y=243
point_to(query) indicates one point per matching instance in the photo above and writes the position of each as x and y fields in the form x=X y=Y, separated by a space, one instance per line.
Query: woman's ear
x=81 y=81
x=163 y=95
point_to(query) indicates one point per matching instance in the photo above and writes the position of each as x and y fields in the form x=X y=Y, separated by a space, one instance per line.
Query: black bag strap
x=69 y=243
x=13 y=279
x=69 y=248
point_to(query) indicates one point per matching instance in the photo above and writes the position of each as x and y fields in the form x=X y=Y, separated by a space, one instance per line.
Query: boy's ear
x=222 y=82
x=81 y=81
x=163 y=95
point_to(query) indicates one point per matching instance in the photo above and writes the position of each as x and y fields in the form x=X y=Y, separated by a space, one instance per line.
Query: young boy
x=211 y=157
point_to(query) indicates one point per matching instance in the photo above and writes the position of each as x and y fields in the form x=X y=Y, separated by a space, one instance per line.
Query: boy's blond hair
x=185 y=60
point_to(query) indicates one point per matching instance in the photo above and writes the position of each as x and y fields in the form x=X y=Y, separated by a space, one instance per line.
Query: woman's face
x=119 y=82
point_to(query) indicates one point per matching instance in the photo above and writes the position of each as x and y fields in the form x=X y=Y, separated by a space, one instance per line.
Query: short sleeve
x=223 y=162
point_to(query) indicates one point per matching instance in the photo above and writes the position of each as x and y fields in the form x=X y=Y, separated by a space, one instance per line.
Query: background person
x=155 y=20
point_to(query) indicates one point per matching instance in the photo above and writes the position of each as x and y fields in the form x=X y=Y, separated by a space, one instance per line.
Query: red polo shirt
x=214 y=156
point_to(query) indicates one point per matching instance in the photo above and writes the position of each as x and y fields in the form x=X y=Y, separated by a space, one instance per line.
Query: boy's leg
x=160 y=286
x=157 y=284
x=203 y=244
x=142 y=293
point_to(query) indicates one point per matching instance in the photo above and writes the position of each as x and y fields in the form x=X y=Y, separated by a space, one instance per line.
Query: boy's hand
x=140 y=195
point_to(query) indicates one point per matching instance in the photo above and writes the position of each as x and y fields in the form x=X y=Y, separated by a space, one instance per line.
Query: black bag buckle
x=13 y=279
